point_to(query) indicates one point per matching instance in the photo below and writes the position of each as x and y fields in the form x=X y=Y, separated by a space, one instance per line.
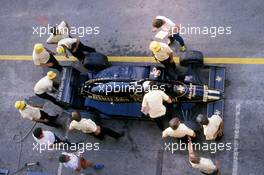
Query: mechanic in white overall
x=46 y=85
x=204 y=165
x=152 y=104
x=213 y=127
x=88 y=126
x=177 y=129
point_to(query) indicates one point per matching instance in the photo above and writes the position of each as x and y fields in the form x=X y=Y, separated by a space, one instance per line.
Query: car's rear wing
x=216 y=81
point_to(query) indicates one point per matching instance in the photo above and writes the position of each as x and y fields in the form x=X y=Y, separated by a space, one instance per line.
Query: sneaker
x=183 y=48
x=98 y=166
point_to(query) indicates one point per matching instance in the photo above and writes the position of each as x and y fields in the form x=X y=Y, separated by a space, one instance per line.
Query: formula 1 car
x=118 y=89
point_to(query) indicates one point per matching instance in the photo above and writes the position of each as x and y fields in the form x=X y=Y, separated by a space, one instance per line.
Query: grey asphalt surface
x=125 y=29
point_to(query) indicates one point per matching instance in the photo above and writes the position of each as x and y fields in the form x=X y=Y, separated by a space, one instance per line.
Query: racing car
x=117 y=89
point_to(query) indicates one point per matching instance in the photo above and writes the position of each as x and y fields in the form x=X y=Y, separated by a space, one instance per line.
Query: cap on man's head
x=51 y=75
x=38 y=48
x=20 y=105
x=60 y=50
x=155 y=46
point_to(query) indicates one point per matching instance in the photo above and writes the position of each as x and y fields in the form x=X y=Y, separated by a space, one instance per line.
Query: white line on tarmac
x=236 y=140
x=59 y=169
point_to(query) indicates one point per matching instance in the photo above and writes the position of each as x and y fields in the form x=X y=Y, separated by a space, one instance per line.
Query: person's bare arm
x=78 y=169
x=77 y=45
x=190 y=149
x=98 y=130
x=176 y=29
x=40 y=120
x=217 y=164
x=46 y=64
x=144 y=106
x=221 y=127
x=67 y=24
x=36 y=106
x=66 y=53
x=143 y=109
x=171 y=57
x=154 y=29
x=220 y=130
x=155 y=57
x=169 y=100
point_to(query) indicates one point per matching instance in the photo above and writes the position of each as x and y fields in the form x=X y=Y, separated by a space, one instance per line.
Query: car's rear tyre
x=96 y=61
x=192 y=57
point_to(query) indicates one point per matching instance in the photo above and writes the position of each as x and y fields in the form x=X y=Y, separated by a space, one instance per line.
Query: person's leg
x=53 y=124
x=171 y=40
x=79 y=55
x=57 y=139
x=178 y=38
x=170 y=70
x=172 y=64
x=56 y=85
x=159 y=122
x=111 y=133
x=51 y=119
x=45 y=115
x=99 y=136
x=50 y=98
x=86 y=48
x=56 y=64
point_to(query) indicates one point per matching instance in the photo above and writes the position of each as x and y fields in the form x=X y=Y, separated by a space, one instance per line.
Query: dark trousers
x=170 y=68
x=160 y=122
x=176 y=37
x=109 y=132
x=58 y=140
x=56 y=64
x=51 y=119
x=80 y=52
x=50 y=98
